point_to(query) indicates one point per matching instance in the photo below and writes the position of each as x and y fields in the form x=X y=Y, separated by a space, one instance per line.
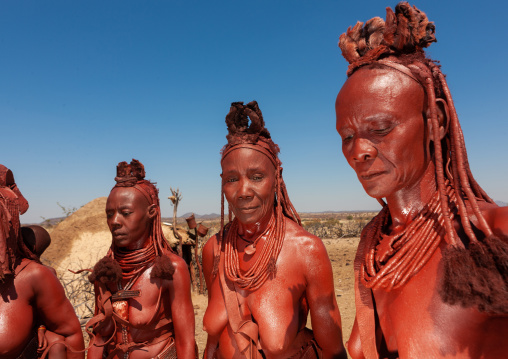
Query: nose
x=363 y=150
x=244 y=191
x=113 y=221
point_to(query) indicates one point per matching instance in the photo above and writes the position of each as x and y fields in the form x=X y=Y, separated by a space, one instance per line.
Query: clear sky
x=87 y=84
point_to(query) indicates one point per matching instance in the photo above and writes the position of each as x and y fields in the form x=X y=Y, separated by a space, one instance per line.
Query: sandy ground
x=341 y=252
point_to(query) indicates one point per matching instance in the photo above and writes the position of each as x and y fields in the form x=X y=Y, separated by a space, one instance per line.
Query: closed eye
x=347 y=138
x=382 y=131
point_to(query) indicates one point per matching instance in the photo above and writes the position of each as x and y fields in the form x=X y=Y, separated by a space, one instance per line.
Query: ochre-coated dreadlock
x=255 y=136
x=475 y=272
x=12 y=204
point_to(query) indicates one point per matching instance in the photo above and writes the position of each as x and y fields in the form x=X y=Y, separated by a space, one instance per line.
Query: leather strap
x=123 y=294
x=245 y=331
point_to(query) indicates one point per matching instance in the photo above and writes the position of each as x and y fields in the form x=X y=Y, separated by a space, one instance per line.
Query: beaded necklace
x=264 y=266
x=392 y=260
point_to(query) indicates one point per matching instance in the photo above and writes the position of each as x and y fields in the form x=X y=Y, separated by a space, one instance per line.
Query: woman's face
x=384 y=133
x=248 y=180
x=129 y=217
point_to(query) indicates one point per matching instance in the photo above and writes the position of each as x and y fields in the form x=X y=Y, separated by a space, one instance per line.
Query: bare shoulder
x=178 y=263
x=41 y=280
x=39 y=273
x=497 y=218
x=180 y=280
x=300 y=241
x=208 y=247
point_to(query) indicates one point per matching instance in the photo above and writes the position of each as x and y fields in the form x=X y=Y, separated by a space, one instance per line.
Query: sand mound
x=80 y=238
x=83 y=238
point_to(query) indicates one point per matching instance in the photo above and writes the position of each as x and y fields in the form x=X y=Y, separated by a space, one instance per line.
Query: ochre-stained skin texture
x=386 y=139
x=431 y=270
x=302 y=282
x=163 y=311
x=31 y=294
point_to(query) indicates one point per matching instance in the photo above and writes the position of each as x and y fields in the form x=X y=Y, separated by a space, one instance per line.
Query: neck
x=407 y=202
x=251 y=231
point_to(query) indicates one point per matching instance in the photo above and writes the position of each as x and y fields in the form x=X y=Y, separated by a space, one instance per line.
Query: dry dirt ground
x=342 y=253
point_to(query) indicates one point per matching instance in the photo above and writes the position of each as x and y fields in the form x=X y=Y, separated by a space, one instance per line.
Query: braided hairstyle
x=12 y=204
x=108 y=269
x=246 y=128
x=475 y=272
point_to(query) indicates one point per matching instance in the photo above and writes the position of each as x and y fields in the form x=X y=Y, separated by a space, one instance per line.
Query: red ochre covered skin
x=30 y=292
x=271 y=271
x=431 y=268
x=151 y=305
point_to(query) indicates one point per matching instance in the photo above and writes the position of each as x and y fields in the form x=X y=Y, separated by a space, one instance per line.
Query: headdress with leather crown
x=120 y=263
x=246 y=129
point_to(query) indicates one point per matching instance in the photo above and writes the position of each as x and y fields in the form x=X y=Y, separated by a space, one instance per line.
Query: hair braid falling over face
x=246 y=127
x=475 y=270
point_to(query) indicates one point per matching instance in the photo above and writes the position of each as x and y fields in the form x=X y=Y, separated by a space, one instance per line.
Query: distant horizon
x=217 y=215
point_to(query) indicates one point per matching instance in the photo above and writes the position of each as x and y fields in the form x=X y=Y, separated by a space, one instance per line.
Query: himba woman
x=30 y=292
x=431 y=267
x=263 y=271
x=142 y=288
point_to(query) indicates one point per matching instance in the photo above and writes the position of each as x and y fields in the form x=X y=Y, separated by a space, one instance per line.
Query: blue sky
x=86 y=84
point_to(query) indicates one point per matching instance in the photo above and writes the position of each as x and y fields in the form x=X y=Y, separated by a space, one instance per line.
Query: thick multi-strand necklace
x=134 y=262
x=264 y=266
x=392 y=260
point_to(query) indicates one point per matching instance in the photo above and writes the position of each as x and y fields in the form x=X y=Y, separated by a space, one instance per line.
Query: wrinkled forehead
x=242 y=156
x=381 y=78
x=379 y=87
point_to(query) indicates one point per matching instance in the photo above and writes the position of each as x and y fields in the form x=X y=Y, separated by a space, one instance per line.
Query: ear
x=152 y=211
x=443 y=117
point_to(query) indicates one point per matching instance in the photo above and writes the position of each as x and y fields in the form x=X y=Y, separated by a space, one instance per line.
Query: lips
x=248 y=209
x=370 y=175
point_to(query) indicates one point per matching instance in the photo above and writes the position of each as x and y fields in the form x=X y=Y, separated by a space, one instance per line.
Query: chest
x=415 y=320
x=147 y=306
x=277 y=306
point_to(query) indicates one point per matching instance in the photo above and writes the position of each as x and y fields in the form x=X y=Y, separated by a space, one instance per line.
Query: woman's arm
x=182 y=310
x=320 y=293
x=212 y=342
x=55 y=310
